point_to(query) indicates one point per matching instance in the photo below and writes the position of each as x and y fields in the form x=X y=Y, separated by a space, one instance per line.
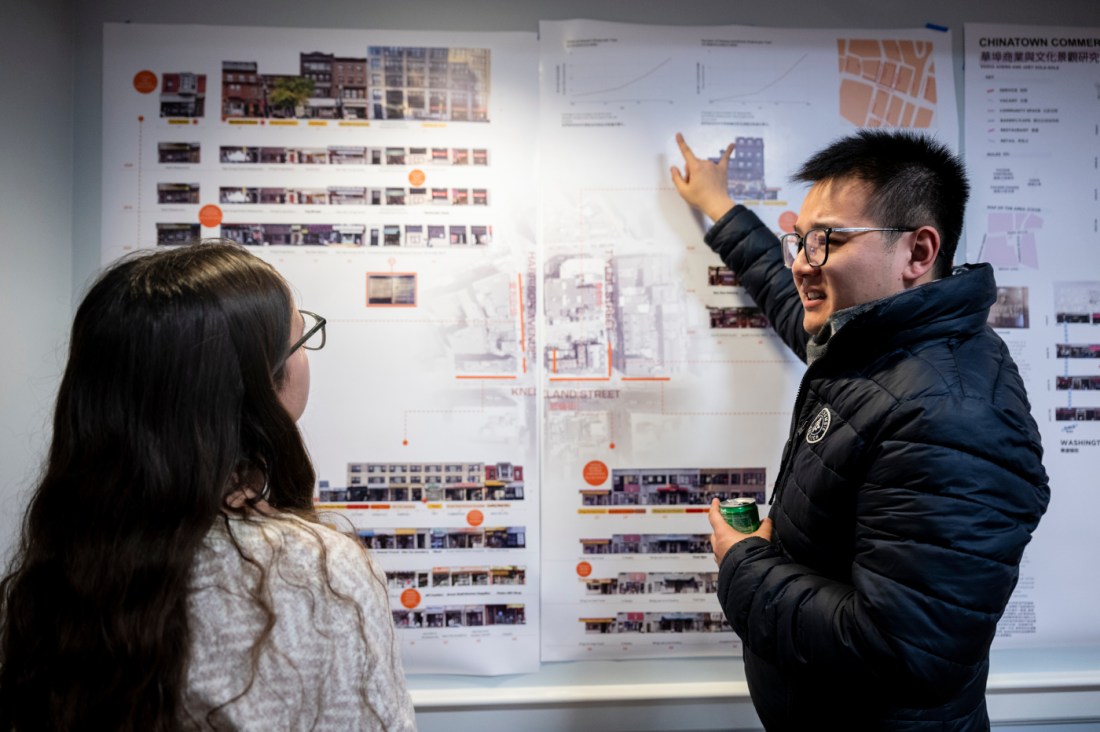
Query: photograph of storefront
x=183 y=95
x=508 y=575
x=682 y=583
x=659 y=622
x=232 y=155
x=414 y=236
x=429 y=83
x=410 y=481
x=655 y=583
x=395 y=539
x=242 y=90
x=246 y=234
x=171 y=234
x=272 y=196
x=460 y=616
x=722 y=277
x=391 y=289
x=347 y=196
x=406 y=579
x=227 y=195
x=347 y=155
x=307 y=155
x=178 y=152
x=736 y=317
x=1077 y=350
x=482 y=235
x=1010 y=309
x=675 y=487
x=510 y=537
x=1077 y=383
x=1077 y=302
x=1077 y=414
x=442 y=577
x=292 y=234
x=307 y=197
x=648 y=544
x=460 y=577
x=169 y=193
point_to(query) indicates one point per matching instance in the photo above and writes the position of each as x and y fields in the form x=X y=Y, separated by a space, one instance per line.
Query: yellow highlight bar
x=435 y=505
x=318 y=123
x=354 y=124
x=244 y=121
x=591 y=510
x=775 y=203
x=283 y=123
x=179 y=121
x=433 y=124
x=669 y=510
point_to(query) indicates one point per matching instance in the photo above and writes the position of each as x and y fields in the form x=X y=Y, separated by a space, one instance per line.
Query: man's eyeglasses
x=313 y=333
x=816 y=243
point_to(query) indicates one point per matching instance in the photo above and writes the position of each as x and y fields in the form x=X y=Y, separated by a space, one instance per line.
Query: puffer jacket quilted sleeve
x=910 y=486
x=752 y=251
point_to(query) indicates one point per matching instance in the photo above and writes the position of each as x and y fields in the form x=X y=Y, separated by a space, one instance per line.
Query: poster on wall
x=537 y=374
x=389 y=177
x=1032 y=149
x=664 y=385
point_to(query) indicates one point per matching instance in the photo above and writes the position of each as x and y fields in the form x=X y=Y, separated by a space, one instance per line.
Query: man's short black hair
x=913 y=181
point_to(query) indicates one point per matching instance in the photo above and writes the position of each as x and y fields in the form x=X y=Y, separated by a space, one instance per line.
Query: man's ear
x=923 y=246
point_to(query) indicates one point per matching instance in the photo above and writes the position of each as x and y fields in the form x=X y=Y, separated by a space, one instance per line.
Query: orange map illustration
x=885 y=83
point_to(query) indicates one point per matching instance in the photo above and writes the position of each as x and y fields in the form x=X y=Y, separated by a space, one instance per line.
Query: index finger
x=685 y=150
x=724 y=160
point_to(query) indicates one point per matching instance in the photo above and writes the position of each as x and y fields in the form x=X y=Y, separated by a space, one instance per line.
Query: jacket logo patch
x=819 y=426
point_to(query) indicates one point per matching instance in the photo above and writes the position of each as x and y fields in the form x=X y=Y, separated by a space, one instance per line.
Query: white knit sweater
x=330 y=663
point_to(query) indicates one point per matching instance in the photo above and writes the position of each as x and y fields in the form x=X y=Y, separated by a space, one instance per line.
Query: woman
x=172 y=573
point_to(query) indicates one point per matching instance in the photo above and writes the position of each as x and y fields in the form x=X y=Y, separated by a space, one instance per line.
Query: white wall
x=36 y=235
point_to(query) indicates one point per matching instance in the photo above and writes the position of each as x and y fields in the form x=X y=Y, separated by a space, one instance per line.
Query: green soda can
x=741 y=514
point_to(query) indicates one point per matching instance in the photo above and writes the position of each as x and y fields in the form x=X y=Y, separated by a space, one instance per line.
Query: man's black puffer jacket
x=910 y=485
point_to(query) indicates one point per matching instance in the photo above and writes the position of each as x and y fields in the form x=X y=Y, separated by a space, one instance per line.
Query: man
x=912 y=478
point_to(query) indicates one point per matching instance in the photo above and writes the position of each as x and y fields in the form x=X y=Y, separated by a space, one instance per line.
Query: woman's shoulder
x=292 y=543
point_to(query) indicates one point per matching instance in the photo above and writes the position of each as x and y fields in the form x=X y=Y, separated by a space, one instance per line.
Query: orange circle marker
x=145 y=82
x=786 y=221
x=475 y=518
x=210 y=215
x=584 y=569
x=417 y=177
x=595 y=473
x=410 y=598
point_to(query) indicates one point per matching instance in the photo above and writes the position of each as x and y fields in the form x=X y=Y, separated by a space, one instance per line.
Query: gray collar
x=819 y=343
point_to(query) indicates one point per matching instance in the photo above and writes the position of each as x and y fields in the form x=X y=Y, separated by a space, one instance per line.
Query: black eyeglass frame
x=301 y=342
x=788 y=258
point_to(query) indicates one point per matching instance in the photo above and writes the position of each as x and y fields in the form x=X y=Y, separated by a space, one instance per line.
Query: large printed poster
x=537 y=374
x=664 y=385
x=1033 y=152
x=389 y=177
